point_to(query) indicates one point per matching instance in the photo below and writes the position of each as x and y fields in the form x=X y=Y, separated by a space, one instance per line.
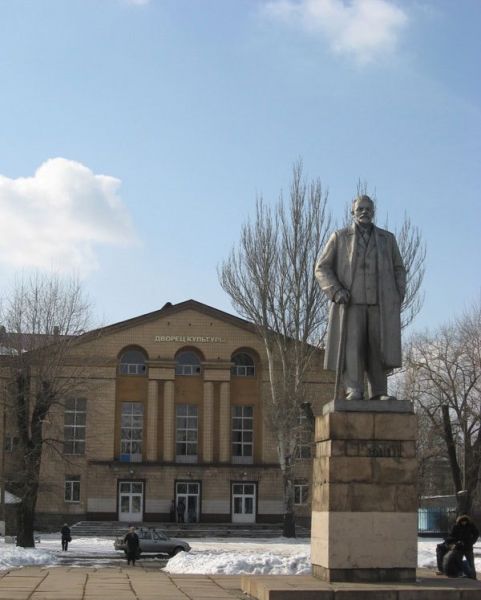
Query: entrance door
x=131 y=501
x=243 y=503
x=187 y=494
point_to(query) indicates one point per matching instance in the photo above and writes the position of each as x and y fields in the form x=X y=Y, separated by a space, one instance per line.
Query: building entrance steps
x=186 y=530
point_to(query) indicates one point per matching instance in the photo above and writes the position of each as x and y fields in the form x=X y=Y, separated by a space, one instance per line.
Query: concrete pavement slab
x=113 y=583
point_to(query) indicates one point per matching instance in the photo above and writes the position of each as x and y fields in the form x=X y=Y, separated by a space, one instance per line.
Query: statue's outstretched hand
x=342 y=296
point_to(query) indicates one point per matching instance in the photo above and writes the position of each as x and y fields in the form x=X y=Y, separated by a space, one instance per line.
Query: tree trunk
x=289 y=523
x=25 y=522
x=451 y=448
x=464 y=503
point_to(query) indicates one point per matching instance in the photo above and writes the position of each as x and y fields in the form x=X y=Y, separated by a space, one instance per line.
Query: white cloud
x=55 y=218
x=363 y=29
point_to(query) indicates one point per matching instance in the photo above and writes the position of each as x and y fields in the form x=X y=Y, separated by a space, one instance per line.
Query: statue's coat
x=334 y=270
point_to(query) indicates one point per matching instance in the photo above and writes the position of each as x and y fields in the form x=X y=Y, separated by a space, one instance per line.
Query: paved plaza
x=114 y=583
x=145 y=582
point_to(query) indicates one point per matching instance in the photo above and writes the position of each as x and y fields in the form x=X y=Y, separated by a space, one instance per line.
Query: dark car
x=153 y=541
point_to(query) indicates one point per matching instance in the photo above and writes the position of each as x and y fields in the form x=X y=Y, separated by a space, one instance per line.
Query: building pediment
x=191 y=324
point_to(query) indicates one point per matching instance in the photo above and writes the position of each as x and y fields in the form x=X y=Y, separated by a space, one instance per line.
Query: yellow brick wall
x=214 y=392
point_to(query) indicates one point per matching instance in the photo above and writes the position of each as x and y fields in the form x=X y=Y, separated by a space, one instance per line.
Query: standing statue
x=362 y=272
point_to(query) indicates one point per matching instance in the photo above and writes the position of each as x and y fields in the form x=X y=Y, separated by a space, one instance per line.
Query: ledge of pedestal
x=391 y=406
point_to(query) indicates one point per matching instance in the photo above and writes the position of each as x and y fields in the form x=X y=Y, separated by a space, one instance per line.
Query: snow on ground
x=11 y=556
x=49 y=550
x=277 y=556
x=208 y=556
x=78 y=546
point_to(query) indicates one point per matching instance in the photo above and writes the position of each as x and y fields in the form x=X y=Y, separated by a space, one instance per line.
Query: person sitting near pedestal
x=441 y=550
x=453 y=563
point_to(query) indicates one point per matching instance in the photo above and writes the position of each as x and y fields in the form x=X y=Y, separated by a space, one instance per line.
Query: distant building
x=171 y=409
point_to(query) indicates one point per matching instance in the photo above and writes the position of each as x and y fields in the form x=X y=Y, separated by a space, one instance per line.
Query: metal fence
x=435 y=521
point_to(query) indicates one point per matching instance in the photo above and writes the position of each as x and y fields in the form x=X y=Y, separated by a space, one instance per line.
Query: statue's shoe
x=354 y=395
x=383 y=397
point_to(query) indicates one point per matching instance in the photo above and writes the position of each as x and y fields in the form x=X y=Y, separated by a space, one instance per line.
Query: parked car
x=154 y=541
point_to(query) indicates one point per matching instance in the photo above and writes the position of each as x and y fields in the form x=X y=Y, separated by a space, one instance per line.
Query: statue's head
x=362 y=210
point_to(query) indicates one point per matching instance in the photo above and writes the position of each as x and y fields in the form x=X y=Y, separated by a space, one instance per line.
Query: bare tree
x=41 y=319
x=413 y=251
x=443 y=378
x=269 y=277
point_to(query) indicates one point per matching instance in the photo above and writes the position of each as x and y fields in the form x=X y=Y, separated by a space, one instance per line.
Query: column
x=169 y=421
x=208 y=441
x=153 y=417
x=225 y=423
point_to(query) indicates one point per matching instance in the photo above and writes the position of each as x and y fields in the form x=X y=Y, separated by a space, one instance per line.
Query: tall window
x=72 y=488
x=243 y=365
x=11 y=443
x=186 y=433
x=132 y=362
x=304 y=437
x=187 y=363
x=242 y=434
x=131 y=431
x=75 y=416
x=301 y=492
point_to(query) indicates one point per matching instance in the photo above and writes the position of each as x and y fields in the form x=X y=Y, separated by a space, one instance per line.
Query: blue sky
x=137 y=134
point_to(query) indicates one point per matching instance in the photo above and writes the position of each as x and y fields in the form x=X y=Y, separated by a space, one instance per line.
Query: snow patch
x=18 y=557
x=237 y=563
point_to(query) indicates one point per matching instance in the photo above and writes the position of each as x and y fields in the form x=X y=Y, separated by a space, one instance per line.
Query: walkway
x=144 y=583
x=114 y=583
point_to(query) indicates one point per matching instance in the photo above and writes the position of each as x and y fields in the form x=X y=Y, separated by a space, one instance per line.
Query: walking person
x=66 y=536
x=465 y=531
x=131 y=541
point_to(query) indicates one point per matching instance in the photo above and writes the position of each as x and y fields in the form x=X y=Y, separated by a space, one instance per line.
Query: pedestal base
x=364 y=507
x=364 y=575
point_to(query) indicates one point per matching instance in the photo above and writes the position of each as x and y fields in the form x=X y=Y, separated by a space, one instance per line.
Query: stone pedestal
x=364 y=504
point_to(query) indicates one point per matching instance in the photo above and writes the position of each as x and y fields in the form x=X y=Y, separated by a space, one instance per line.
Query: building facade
x=170 y=414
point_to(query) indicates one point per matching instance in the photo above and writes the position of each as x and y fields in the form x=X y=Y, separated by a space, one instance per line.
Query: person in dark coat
x=453 y=563
x=172 y=511
x=465 y=531
x=131 y=541
x=66 y=536
x=180 y=511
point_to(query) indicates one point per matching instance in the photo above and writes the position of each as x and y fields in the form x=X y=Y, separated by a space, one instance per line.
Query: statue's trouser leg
x=363 y=351
x=356 y=338
x=376 y=374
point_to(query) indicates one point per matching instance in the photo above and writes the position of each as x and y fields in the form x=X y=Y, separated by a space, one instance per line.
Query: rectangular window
x=186 y=433
x=75 y=417
x=131 y=431
x=11 y=443
x=301 y=493
x=72 y=488
x=244 y=370
x=187 y=369
x=304 y=437
x=132 y=369
x=242 y=434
